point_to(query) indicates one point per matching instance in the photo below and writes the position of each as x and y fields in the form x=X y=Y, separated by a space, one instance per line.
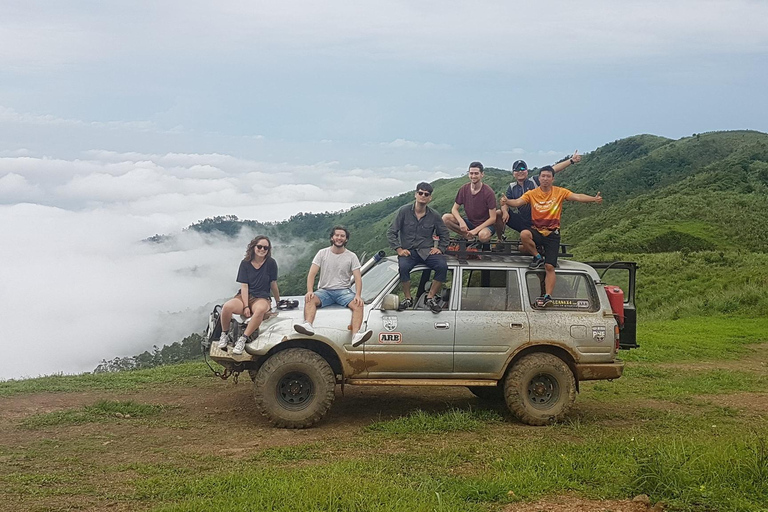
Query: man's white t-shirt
x=335 y=269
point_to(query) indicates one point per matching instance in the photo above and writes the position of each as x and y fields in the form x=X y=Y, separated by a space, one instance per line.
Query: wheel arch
x=555 y=350
x=320 y=348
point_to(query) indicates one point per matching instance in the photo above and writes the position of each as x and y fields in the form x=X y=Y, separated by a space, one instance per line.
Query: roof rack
x=464 y=249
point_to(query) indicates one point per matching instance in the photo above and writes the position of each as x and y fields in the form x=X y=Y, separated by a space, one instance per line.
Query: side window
x=421 y=281
x=490 y=290
x=574 y=288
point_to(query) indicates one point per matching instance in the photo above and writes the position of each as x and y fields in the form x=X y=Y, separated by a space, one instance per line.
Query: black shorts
x=518 y=222
x=551 y=244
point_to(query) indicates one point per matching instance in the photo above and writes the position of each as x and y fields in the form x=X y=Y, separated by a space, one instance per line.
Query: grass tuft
x=104 y=410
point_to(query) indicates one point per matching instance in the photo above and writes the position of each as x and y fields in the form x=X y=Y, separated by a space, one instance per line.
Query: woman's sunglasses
x=262 y=247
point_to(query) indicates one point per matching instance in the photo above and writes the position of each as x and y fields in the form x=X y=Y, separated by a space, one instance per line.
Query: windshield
x=377 y=278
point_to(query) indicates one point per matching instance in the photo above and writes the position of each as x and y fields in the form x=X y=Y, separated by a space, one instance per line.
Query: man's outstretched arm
x=584 y=198
x=515 y=203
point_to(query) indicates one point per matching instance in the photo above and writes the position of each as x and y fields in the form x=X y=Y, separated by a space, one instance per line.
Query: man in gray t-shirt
x=337 y=266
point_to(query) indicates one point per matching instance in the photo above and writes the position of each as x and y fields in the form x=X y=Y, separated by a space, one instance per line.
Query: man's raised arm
x=574 y=159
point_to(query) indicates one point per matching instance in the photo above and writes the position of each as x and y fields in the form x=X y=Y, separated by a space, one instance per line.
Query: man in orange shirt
x=546 y=206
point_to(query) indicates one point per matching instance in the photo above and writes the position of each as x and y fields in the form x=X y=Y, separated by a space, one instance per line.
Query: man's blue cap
x=519 y=165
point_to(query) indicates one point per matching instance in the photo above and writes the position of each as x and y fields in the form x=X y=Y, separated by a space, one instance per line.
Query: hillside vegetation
x=692 y=211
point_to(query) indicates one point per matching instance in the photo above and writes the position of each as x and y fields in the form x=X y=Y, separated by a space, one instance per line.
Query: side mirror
x=391 y=302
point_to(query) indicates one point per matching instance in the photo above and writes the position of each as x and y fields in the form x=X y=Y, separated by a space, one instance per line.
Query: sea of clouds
x=78 y=283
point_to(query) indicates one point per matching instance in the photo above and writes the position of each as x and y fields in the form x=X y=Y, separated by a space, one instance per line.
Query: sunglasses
x=521 y=170
x=425 y=194
x=262 y=247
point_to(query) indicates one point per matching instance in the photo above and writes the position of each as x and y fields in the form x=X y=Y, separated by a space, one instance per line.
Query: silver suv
x=489 y=337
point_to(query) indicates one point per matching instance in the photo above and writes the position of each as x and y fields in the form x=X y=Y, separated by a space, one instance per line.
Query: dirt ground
x=227 y=411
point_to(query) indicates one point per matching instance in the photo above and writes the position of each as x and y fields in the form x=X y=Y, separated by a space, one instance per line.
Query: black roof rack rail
x=463 y=249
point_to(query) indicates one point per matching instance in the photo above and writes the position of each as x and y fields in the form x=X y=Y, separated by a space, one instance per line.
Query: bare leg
x=406 y=289
x=484 y=235
x=434 y=289
x=526 y=242
x=310 y=310
x=260 y=307
x=450 y=222
x=549 y=281
x=357 y=316
x=500 y=226
x=231 y=307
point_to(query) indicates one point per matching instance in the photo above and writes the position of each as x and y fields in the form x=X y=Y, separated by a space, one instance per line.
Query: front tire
x=295 y=388
x=540 y=389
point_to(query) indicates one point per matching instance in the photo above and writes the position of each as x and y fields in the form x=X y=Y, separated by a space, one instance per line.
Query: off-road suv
x=489 y=337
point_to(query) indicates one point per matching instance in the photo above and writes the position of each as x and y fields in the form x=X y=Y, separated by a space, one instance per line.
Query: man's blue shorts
x=342 y=297
x=434 y=261
x=472 y=226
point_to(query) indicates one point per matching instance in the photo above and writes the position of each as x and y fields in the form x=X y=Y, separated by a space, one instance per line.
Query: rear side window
x=490 y=290
x=575 y=289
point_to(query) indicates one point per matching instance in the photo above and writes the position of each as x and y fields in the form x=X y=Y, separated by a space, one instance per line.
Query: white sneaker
x=239 y=345
x=224 y=340
x=361 y=337
x=304 y=328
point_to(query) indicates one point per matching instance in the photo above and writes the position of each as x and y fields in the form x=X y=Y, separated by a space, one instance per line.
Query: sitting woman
x=257 y=276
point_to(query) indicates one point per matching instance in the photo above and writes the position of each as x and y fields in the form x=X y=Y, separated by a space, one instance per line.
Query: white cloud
x=9 y=115
x=95 y=292
x=514 y=151
x=15 y=188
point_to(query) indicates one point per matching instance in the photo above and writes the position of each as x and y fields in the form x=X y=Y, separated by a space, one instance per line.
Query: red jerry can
x=616 y=298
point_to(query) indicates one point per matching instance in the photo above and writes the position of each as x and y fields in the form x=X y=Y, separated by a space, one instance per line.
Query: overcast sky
x=122 y=119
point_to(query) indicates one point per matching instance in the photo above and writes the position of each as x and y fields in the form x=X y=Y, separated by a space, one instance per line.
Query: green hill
x=692 y=207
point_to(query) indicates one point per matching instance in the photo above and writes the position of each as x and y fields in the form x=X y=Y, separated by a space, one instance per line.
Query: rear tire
x=295 y=388
x=540 y=389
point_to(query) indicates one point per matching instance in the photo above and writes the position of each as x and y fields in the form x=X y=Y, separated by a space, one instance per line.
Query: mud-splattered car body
x=489 y=328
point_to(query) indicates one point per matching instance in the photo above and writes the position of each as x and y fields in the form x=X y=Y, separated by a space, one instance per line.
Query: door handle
x=442 y=325
x=515 y=326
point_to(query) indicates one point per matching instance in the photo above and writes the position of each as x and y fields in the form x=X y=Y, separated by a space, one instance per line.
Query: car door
x=622 y=274
x=490 y=321
x=574 y=319
x=413 y=343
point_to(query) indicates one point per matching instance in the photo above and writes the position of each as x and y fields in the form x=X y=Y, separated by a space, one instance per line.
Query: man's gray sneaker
x=536 y=262
x=433 y=304
x=361 y=337
x=304 y=328
x=224 y=340
x=240 y=345
x=406 y=304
